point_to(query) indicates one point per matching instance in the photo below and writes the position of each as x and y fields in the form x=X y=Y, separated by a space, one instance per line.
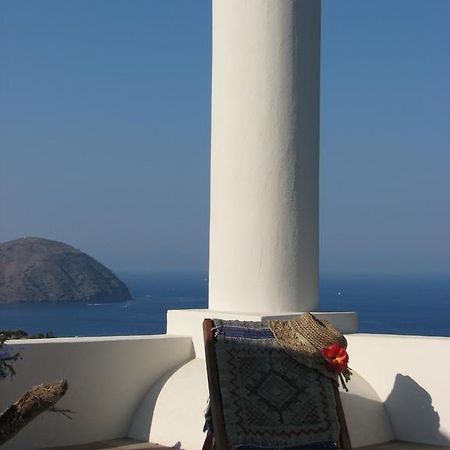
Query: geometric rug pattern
x=270 y=400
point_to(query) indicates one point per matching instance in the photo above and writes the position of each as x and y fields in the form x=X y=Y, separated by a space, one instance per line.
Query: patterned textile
x=270 y=400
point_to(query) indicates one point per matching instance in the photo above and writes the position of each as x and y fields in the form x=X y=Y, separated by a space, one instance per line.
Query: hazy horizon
x=105 y=129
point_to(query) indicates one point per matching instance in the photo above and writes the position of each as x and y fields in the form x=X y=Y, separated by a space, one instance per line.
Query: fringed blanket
x=270 y=400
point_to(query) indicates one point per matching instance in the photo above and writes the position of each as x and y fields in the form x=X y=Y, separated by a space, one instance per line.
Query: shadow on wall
x=412 y=414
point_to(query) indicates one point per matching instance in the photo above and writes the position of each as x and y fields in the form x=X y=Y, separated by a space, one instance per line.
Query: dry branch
x=34 y=402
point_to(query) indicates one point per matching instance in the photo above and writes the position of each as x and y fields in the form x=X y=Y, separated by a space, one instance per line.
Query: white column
x=265 y=156
x=264 y=188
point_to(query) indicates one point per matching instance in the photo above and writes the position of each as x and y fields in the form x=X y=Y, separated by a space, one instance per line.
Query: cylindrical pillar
x=265 y=156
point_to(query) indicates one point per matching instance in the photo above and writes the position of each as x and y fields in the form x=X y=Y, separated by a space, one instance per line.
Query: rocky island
x=36 y=270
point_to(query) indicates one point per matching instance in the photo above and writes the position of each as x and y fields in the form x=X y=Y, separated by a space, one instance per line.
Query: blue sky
x=105 y=128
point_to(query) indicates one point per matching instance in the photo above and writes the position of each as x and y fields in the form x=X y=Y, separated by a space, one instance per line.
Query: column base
x=188 y=322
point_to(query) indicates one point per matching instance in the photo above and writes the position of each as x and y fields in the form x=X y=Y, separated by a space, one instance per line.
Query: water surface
x=385 y=304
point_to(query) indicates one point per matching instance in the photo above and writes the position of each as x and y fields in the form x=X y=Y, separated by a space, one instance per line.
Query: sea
x=415 y=305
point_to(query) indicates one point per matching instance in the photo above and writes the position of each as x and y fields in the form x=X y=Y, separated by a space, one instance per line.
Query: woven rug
x=270 y=400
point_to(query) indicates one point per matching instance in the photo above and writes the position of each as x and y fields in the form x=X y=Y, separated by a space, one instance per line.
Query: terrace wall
x=108 y=378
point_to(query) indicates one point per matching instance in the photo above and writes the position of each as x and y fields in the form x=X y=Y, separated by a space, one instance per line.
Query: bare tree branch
x=34 y=402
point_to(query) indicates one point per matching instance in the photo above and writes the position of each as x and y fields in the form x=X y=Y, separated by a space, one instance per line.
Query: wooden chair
x=219 y=440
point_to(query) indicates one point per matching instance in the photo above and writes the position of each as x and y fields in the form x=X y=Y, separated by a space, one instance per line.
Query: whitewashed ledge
x=152 y=388
x=399 y=392
x=108 y=377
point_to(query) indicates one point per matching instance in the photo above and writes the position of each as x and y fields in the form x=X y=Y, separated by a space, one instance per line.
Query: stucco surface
x=146 y=387
x=392 y=395
x=108 y=377
x=264 y=156
x=172 y=412
x=410 y=374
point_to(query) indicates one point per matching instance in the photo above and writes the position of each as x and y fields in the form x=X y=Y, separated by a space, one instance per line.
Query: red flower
x=336 y=357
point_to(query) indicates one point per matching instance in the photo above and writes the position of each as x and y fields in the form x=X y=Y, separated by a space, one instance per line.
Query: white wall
x=173 y=411
x=116 y=382
x=411 y=375
x=379 y=406
x=163 y=419
x=108 y=378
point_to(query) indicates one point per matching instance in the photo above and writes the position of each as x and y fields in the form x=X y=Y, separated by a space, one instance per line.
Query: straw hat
x=305 y=337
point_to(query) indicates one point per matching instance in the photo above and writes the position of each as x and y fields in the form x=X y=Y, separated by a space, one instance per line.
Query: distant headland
x=40 y=270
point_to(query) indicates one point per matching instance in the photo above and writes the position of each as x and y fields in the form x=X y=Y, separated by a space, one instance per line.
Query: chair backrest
x=271 y=392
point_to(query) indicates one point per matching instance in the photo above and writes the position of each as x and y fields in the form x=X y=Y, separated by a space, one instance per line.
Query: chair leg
x=344 y=439
x=208 y=444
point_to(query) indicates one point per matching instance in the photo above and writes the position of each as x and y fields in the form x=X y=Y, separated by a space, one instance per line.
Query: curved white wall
x=264 y=156
x=163 y=417
x=173 y=410
x=133 y=385
x=108 y=378
x=399 y=391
